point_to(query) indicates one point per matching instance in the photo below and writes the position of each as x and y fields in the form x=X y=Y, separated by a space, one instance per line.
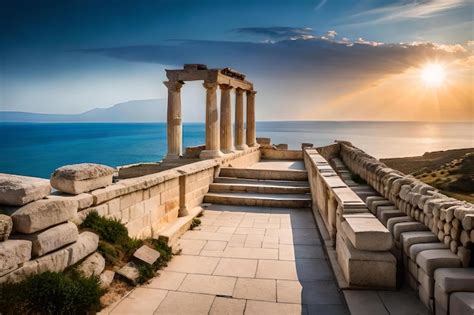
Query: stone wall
x=45 y=236
x=448 y=218
x=362 y=243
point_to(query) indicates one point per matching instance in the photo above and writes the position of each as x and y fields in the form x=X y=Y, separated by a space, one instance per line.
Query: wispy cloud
x=320 y=4
x=278 y=32
x=409 y=10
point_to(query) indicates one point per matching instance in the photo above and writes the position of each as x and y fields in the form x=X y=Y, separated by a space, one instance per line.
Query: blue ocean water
x=36 y=149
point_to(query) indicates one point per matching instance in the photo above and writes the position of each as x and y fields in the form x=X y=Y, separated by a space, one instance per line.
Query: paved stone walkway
x=244 y=260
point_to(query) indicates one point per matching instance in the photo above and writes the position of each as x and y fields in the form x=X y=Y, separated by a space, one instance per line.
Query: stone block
x=366 y=268
x=461 y=303
x=425 y=298
x=430 y=260
x=392 y=221
x=78 y=178
x=6 y=226
x=19 y=190
x=366 y=233
x=378 y=203
x=384 y=215
x=86 y=244
x=129 y=272
x=417 y=237
x=106 y=278
x=426 y=281
x=51 y=239
x=413 y=268
x=404 y=227
x=83 y=200
x=415 y=249
x=93 y=265
x=42 y=214
x=13 y=253
x=147 y=254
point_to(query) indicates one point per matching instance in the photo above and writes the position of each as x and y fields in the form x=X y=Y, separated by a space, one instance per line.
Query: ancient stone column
x=251 y=128
x=212 y=123
x=174 y=126
x=226 y=119
x=239 y=120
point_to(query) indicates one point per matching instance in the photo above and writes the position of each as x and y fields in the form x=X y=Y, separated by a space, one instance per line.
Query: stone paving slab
x=244 y=260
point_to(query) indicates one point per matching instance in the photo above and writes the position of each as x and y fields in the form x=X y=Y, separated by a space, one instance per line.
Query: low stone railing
x=362 y=242
x=432 y=233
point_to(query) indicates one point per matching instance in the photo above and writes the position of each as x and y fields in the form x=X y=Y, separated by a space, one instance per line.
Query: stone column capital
x=225 y=87
x=174 y=85
x=251 y=92
x=239 y=91
x=210 y=85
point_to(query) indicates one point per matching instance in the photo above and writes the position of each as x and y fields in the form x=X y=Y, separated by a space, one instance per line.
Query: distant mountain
x=153 y=110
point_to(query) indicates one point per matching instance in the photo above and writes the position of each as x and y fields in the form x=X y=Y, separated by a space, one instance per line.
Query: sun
x=433 y=74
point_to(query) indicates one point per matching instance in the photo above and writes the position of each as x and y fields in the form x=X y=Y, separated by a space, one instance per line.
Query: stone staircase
x=260 y=188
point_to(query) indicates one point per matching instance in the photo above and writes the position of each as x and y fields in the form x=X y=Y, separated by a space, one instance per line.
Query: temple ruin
x=218 y=136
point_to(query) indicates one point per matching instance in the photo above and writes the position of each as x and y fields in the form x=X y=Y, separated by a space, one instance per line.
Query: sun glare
x=433 y=75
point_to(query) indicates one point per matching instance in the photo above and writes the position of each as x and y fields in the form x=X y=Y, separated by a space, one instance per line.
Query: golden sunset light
x=433 y=75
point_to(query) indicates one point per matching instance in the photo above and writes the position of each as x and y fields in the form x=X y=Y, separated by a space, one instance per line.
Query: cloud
x=409 y=10
x=278 y=32
x=331 y=34
x=333 y=62
x=306 y=73
x=320 y=5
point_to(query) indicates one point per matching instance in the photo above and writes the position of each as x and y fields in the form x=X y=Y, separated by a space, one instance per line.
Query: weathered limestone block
x=418 y=237
x=78 y=178
x=13 y=253
x=366 y=232
x=395 y=220
x=83 y=200
x=415 y=249
x=448 y=280
x=106 y=278
x=51 y=239
x=461 y=303
x=93 y=265
x=366 y=268
x=86 y=244
x=6 y=225
x=385 y=215
x=19 y=190
x=378 y=203
x=430 y=260
x=147 y=255
x=130 y=272
x=56 y=261
x=403 y=227
x=42 y=214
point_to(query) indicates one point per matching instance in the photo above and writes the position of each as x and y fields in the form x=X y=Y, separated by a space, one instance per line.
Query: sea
x=37 y=149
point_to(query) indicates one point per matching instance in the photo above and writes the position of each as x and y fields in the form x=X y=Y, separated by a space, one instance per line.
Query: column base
x=227 y=151
x=241 y=147
x=210 y=154
x=172 y=157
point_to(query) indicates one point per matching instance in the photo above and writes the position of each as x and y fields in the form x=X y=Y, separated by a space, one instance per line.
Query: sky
x=308 y=60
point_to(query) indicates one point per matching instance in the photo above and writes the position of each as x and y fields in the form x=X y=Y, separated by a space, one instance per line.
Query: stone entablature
x=219 y=138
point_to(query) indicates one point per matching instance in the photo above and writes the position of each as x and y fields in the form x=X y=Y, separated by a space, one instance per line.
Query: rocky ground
x=450 y=171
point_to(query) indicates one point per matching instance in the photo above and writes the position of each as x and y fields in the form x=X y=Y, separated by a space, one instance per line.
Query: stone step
x=260 y=188
x=234 y=180
x=260 y=200
x=251 y=173
x=171 y=232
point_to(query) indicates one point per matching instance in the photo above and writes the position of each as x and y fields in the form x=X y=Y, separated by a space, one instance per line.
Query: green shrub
x=145 y=272
x=52 y=293
x=109 y=230
x=195 y=223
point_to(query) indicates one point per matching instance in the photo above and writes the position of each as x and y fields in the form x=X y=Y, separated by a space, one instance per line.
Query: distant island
x=451 y=171
x=151 y=110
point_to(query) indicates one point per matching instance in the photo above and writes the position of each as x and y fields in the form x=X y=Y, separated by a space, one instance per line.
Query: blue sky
x=71 y=56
